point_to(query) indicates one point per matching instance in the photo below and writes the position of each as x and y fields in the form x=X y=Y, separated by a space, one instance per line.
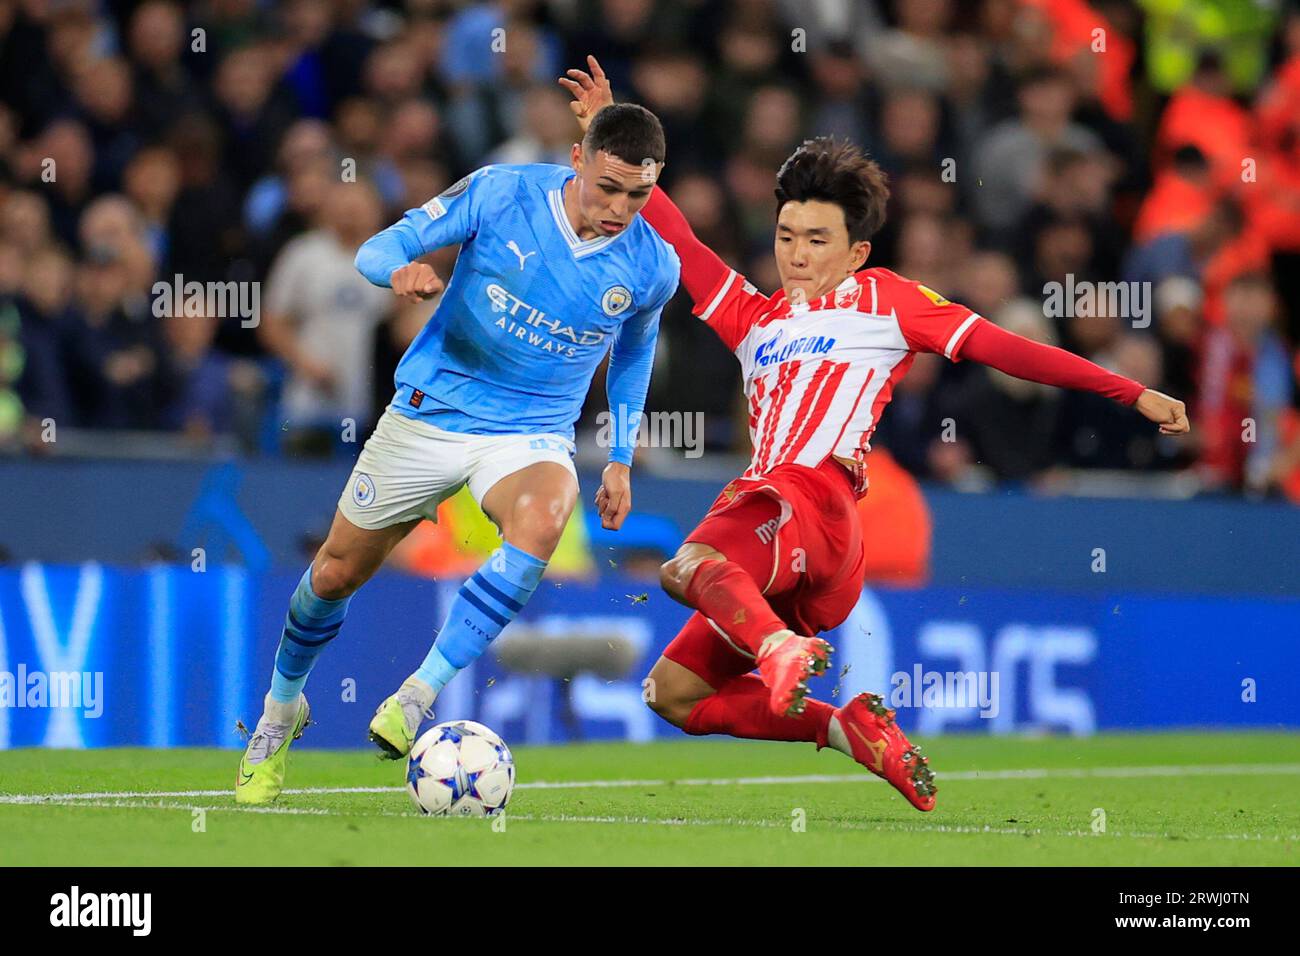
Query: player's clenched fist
x=1168 y=412
x=614 y=499
x=416 y=282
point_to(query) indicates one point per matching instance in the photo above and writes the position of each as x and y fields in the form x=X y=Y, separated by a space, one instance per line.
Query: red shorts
x=796 y=531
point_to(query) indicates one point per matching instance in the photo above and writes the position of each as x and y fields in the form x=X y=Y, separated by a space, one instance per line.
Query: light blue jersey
x=530 y=310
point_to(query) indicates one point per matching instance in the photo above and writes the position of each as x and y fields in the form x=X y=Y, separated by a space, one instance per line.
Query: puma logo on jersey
x=767 y=530
x=519 y=253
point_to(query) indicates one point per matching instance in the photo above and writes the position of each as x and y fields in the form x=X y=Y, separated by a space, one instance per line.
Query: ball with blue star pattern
x=460 y=768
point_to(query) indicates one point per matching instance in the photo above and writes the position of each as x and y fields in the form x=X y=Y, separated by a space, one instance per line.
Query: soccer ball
x=460 y=768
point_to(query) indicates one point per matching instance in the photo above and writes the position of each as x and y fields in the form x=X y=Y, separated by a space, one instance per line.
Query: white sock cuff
x=835 y=737
x=281 y=712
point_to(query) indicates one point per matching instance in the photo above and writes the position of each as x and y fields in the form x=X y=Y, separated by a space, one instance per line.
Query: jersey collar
x=579 y=247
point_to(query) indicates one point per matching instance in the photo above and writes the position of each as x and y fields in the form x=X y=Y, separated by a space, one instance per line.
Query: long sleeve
x=628 y=380
x=1024 y=358
x=702 y=270
x=723 y=298
x=447 y=219
x=387 y=251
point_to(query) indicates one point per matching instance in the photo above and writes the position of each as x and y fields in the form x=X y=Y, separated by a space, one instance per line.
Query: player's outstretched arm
x=385 y=259
x=703 y=271
x=1024 y=358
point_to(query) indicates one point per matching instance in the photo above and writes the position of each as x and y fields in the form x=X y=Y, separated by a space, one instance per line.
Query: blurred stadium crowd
x=1027 y=141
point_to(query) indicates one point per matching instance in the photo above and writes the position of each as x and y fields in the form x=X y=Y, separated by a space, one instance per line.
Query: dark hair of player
x=834 y=171
x=628 y=131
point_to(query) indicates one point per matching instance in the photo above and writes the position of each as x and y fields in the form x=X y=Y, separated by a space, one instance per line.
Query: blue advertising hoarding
x=94 y=656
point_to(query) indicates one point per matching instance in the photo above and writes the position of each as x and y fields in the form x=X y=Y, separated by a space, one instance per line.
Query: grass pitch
x=1185 y=799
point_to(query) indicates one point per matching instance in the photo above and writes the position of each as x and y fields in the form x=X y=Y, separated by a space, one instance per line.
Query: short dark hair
x=628 y=131
x=835 y=171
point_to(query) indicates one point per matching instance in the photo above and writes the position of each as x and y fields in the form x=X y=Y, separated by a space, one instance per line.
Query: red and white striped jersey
x=818 y=375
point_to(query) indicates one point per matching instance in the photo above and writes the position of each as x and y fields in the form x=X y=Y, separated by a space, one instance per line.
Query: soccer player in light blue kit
x=556 y=269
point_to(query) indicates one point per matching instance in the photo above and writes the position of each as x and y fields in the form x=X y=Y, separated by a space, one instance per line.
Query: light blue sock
x=312 y=622
x=485 y=604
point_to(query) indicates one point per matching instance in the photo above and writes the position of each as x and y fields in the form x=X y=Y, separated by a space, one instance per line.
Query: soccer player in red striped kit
x=779 y=555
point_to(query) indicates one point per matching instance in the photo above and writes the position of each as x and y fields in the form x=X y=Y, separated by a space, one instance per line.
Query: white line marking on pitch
x=874 y=827
x=1058 y=773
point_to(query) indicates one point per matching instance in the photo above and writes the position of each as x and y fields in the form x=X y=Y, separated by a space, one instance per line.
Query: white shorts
x=408 y=467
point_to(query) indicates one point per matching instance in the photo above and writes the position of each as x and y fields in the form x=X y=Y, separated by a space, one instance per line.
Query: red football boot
x=880 y=745
x=785 y=662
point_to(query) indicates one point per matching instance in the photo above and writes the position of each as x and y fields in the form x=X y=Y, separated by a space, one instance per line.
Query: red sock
x=741 y=708
x=724 y=591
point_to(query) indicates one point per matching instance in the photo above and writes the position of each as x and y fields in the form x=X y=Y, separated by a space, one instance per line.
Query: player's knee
x=667 y=698
x=536 y=527
x=658 y=705
x=675 y=575
x=538 y=539
x=669 y=579
x=672 y=707
x=336 y=578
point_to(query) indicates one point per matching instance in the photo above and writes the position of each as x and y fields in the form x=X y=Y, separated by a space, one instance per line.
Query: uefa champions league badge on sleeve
x=616 y=300
x=363 y=490
x=437 y=206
